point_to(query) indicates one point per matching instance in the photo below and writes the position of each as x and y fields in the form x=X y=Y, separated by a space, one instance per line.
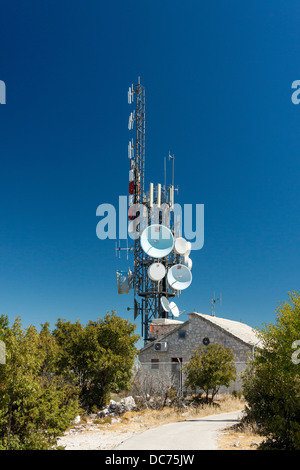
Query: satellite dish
x=156 y=271
x=189 y=249
x=187 y=262
x=179 y=277
x=165 y=304
x=180 y=246
x=124 y=281
x=157 y=241
x=174 y=309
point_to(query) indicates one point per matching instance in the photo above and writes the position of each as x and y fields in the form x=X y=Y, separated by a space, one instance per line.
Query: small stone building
x=173 y=343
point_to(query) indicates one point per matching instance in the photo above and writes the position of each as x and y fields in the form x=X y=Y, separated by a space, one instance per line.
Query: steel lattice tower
x=147 y=293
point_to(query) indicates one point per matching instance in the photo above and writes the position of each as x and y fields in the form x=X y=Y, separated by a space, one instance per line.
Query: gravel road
x=193 y=434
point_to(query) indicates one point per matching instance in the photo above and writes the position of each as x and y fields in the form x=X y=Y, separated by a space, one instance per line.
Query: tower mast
x=151 y=292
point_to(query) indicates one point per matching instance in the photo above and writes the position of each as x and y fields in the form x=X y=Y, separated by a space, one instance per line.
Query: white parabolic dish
x=174 y=309
x=156 y=271
x=179 y=277
x=187 y=262
x=189 y=245
x=157 y=241
x=165 y=304
x=181 y=246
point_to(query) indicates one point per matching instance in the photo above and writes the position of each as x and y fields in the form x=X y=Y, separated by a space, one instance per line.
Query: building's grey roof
x=240 y=330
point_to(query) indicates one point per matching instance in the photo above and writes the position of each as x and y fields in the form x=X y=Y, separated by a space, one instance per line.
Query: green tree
x=209 y=368
x=271 y=385
x=36 y=404
x=98 y=357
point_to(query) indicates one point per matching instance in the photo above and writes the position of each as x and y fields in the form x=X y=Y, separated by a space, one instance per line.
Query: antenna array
x=162 y=267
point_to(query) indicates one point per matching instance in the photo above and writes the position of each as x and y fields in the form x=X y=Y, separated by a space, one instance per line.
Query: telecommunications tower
x=162 y=266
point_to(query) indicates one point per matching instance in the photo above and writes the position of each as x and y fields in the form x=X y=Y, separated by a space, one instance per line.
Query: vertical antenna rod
x=173 y=165
x=212 y=304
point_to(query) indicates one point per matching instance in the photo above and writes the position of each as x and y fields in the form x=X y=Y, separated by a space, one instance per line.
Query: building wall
x=196 y=329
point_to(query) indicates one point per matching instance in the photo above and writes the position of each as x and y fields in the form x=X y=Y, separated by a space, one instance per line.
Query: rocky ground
x=94 y=440
x=104 y=430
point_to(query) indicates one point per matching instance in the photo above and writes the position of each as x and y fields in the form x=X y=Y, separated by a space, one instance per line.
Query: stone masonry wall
x=196 y=329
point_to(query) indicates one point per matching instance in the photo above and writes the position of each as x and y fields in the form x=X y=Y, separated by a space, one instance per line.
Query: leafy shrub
x=36 y=405
x=209 y=368
x=271 y=385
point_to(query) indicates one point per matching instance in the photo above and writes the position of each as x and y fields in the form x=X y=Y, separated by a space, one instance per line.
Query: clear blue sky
x=218 y=81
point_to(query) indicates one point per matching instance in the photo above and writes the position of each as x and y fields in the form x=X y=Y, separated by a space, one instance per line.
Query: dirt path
x=193 y=434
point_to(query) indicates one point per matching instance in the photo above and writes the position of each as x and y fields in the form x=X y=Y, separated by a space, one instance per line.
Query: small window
x=181 y=334
x=206 y=341
x=154 y=364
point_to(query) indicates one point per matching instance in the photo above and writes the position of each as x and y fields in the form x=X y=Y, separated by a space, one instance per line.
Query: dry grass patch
x=239 y=437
